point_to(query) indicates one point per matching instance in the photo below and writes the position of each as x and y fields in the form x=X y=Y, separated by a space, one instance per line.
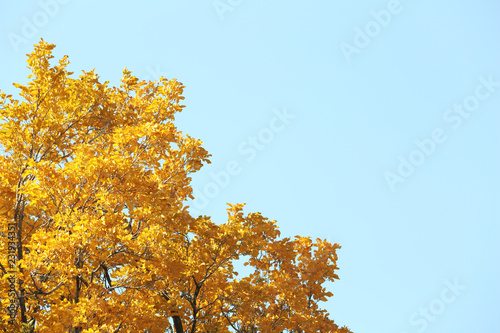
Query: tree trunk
x=177 y=324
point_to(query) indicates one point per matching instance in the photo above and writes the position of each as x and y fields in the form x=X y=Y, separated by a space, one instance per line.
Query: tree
x=95 y=232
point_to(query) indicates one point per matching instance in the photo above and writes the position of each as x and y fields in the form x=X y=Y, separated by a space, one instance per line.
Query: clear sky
x=374 y=124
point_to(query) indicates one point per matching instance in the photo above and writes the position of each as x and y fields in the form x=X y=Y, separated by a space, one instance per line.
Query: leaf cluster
x=93 y=187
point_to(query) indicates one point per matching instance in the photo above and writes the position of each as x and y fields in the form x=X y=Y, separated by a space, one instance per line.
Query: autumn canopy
x=95 y=233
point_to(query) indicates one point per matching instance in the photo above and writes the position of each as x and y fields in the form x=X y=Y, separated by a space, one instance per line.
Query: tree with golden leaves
x=95 y=232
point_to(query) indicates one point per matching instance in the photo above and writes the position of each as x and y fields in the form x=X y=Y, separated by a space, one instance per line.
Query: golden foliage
x=94 y=181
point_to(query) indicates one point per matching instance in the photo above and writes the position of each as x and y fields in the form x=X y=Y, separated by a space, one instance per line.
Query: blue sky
x=373 y=124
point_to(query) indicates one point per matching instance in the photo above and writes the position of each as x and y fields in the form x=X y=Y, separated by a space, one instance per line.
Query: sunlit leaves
x=94 y=183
